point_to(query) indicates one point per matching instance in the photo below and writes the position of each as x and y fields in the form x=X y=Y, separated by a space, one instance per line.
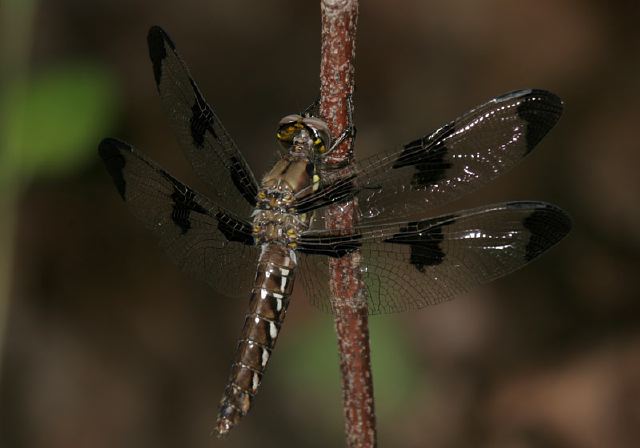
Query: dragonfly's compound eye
x=287 y=129
x=320 y=134
x=309 y=132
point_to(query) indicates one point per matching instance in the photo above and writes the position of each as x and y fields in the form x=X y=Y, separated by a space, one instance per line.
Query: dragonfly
x=252 y=239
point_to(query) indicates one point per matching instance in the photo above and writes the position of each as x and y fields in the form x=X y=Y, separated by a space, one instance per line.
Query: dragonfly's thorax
x=275 y=217
x=273 y=225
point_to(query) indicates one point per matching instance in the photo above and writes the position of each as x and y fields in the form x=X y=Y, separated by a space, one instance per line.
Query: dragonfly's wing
x=209 y=147
x=413 y=264
x=203 y=238
x=447 y=163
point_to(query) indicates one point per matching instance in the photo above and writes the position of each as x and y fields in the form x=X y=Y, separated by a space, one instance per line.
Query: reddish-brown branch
x=339 y=20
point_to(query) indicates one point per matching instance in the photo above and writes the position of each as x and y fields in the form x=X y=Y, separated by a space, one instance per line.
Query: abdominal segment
x=267 y=308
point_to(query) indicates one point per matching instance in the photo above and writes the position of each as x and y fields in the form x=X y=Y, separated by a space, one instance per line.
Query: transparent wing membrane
x=208 y=146
x=447 y=163
x=410 y=265
x=202 y=238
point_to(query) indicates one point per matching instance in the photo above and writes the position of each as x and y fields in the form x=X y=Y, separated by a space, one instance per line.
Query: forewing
x=447 y=163
x=208 y=146
x=414 y=264
x=204 y=239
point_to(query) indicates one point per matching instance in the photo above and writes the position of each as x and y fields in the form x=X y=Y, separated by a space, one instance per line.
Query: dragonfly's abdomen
x=267 y=308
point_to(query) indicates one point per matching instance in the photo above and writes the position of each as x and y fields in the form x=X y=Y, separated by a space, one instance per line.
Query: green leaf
x=53 y=121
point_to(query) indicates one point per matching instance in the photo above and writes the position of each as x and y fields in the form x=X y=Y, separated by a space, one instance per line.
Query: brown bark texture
x=339 y=22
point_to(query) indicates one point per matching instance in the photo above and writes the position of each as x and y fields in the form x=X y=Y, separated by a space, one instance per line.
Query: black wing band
x=413 y=264
x=207 y=144
x=447 y=163
x=201 y=237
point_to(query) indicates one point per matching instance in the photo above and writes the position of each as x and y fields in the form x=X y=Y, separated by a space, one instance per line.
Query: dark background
x=108 y=344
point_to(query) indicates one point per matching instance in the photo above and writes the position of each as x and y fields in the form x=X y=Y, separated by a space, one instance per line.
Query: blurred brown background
x=108 y=344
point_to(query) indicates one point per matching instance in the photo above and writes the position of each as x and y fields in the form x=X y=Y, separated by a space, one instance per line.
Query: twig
x=339 y=21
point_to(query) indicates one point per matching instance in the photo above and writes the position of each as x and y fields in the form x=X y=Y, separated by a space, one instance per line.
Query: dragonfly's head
x=304 y=136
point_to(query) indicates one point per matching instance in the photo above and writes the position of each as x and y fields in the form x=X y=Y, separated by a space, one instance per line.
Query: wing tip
x=110 y=146
x=548 y=224
x=543 y=100
x=158 y=34
x=551 y=102
x=110 y=150
x=540 y=110
x=157 y=41
x=532 y=92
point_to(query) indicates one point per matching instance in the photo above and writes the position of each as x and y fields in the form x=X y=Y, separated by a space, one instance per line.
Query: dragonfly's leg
x=313 y=110
x=350 y=130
